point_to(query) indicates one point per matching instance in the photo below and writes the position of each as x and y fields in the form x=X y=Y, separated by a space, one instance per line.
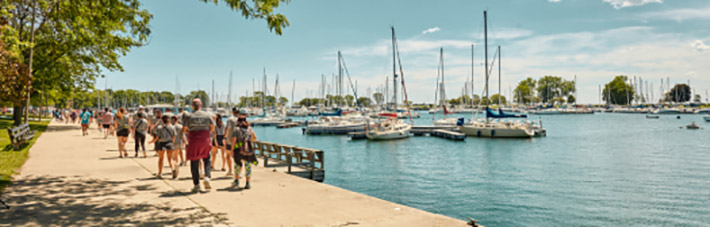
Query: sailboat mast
x=472 y=64
x=339 y=86
x=292 y=90
x=485 y=41
x=394 y=73
x=499 y=77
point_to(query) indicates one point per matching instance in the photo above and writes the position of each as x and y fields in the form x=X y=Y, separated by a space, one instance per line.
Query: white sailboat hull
x=493 y=132
x=707 y=117
x=389 y=134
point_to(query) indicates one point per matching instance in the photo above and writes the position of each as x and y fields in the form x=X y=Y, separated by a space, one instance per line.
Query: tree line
x=54 y=49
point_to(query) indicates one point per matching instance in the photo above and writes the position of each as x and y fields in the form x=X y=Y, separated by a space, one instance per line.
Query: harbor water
x=604 y=169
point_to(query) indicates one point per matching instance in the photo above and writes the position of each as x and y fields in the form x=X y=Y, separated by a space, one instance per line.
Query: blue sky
x=592 y=39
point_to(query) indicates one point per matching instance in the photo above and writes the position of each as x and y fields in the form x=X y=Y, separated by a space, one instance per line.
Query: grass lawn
x=11 y=160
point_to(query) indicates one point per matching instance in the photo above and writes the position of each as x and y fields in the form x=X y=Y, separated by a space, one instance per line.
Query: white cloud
x=430 y=30
x=618 y=4
x=677 y=14
x=700 y=45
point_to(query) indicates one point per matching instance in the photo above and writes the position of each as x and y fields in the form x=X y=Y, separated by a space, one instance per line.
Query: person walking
x=231 y=124
x=140 y=127
x=242 y=138
x=179 y=140
x=85 y=121
x=165 y=138
x=107 y=121
x=198 y=126
x=218 y=142
x=122 y=130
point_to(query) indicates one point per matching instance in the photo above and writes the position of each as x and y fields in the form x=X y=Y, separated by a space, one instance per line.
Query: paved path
x=75 y=180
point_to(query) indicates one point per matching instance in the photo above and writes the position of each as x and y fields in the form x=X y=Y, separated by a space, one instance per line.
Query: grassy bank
x=11 y=160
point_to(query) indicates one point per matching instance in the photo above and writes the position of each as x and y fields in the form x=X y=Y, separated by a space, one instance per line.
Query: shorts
x=220 y=142
x=122 y=133
x=107 y=126
x=164 y=146
x=84 y=126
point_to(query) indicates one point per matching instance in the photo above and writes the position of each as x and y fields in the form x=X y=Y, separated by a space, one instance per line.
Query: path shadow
x=63 y=201
x=58 y=128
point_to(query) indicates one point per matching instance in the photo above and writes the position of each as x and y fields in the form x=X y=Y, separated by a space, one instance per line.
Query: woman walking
x=140 y=127
x=243 y=150
x=165 y=138
x=179 y=140
x=218 y=142
x=122 y=130
x=198 y=125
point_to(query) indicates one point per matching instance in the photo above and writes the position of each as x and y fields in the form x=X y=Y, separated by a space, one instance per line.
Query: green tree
x=202 y=95
x=378 y=97
x=283 y=101
x=571 y=99
x=524 y=92
x=349 y=100
x=618 y=92
x=679 y=93
x=259 y=9
x=498 y=99
x=551 y=87
x=364 y=101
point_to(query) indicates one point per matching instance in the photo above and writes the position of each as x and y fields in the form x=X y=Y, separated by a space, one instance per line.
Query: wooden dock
x=446 y=132
x=290 y=124
x=303 y=162
x=419 y=130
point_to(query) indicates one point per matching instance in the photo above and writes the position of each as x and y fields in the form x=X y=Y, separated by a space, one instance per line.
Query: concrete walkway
x=74 y=180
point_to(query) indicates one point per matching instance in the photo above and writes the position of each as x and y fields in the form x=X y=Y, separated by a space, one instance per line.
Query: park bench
x=20 y=135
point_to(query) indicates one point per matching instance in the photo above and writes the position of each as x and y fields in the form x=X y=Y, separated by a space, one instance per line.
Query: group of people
x=202 y=135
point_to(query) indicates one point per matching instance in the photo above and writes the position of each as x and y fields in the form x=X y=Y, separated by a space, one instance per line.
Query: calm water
x=602 y=169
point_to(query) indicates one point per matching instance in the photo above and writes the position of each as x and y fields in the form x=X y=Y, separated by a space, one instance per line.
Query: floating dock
x=446 y=134
x=290 y=124
x=420 y=130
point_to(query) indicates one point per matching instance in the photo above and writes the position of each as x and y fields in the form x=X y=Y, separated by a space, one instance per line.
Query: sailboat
x=391 y=127
x=442 y=95
x=494 y=128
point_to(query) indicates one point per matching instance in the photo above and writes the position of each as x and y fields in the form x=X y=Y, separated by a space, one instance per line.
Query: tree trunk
x=17 y=111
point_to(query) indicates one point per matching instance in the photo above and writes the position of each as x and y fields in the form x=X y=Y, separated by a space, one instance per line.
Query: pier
x=303 y=162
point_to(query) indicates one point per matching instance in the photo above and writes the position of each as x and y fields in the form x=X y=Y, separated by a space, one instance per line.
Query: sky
x=196 y=43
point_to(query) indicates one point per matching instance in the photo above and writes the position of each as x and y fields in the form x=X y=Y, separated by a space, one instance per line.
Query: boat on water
x=667 y=111
x=651 y=116
x=388 y=129
x=692 y=126
x=335 y=125
x=392 y=127
x=441 y=91
x=703 y=111
x=706 y=117
x=270 y=120
x=496 y=128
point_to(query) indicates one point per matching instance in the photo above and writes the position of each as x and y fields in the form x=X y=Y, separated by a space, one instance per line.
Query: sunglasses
x=242 y=119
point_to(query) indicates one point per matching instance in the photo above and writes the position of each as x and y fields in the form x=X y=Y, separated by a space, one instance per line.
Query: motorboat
x=706 y=117
x=667 y=111
x=652 y=116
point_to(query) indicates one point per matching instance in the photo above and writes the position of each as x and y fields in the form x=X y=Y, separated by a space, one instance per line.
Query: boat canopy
x=502 y=114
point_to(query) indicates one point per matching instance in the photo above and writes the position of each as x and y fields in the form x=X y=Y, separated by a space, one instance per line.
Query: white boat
x=335 y=125
x=388 y=129
x=392 y=127
x=703 y=111
x=446 y=122
x=667 y=111
x=706 y=117
x=498 y=129
x=553 y=111
x=268 y=121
